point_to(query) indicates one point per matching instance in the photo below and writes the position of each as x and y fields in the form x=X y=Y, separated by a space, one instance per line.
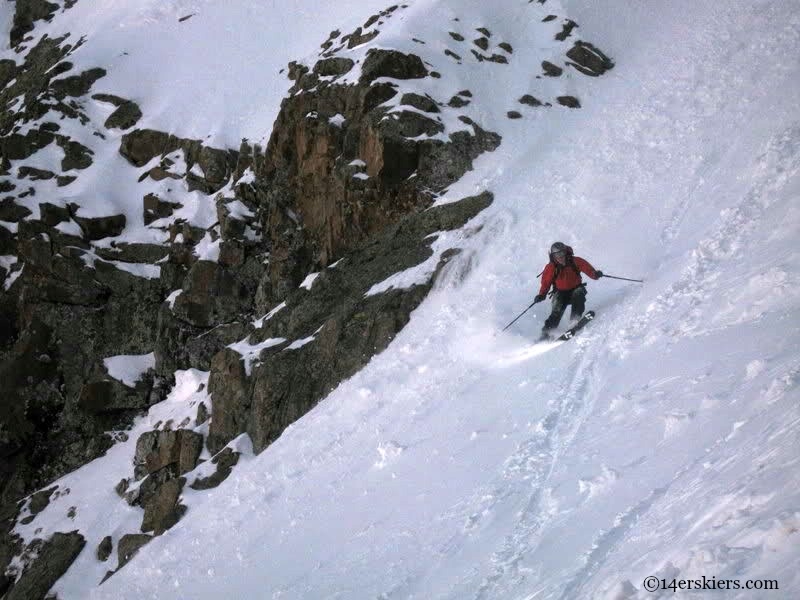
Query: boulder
x=141 y=145
x=26 y=13
x=217 y=166
x=104 y=549
x=481 y=43
x=296 y=70
x=588 y=59
x=377 y=94
x=498 y=58
x=34 y=174
x=391 y=63
x=52 y=561
x=569 y=101
x=156 y=450
x=231 y=389
x=232 y=226
x=52 y=214
x=141 y=495
x=59 y=69
x=333 y=67
x=109 y=98
x=16 y=146
x=154 y=208
x=40 y=500
x=124 y=117
x=76 y=85
x=159 y=174
x=566 y=30
x=163 y=510
x=122 y=487
x=76 y=155
x=551 y=70
x=202 y=414
x=225 y=462
x=11 y=211
x=423 y=103
x=129 y=544
x=358 y=38
x=97 y=228
x=530 y=100
x=410 y=125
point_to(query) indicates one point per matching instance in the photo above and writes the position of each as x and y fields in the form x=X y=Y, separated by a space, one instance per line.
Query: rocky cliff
x=271 y=269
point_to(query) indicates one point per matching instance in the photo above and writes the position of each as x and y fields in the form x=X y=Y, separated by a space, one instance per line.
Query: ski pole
x=623 y=278
x=522 y=313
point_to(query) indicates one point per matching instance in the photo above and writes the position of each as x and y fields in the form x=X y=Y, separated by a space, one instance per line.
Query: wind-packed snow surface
x=663 y=440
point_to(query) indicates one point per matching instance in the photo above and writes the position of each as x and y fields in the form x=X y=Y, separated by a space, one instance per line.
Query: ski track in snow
x=533 y=462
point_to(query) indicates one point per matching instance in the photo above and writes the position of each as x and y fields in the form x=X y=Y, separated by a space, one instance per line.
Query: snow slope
x=213 y=76
x=463 y=463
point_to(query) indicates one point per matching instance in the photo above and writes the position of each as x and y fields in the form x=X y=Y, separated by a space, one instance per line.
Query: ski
x=570 y=333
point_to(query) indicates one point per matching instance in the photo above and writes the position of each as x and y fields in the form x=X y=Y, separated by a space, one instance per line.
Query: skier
x=563 y=274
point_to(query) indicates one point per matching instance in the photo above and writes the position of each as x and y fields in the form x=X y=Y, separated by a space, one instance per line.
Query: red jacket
x=568 y=278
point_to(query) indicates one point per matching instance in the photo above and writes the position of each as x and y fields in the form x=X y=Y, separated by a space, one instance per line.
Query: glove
x=539 y=298
x=598 y=273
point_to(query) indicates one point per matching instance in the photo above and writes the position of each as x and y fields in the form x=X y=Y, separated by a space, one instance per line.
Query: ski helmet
x=558 y=247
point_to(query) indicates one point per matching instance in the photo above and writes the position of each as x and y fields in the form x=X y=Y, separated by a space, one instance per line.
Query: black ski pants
x=561 y=299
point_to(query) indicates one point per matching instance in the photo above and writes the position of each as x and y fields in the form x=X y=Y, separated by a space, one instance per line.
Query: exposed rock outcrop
x=588 y=59
x=53 y=558
x=348 y=327
x=104 y=549
x=129 y=545
x=73 y=302
x=162 y=510
x=26 y=13
x=140 y=146
x=126 y=115
x=318 y=209
x=225 y=461
x=61 y=401
x=174 y=450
